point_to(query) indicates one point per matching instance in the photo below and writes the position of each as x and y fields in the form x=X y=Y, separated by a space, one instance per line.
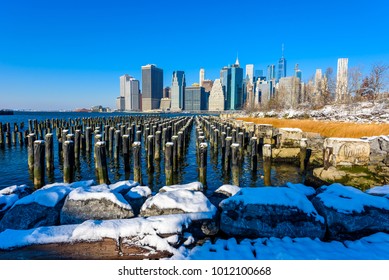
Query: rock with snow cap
x=270 y=212
x=9 y=195
x=94 y=203
x=351 y=213
x=123 y=187
x=194 y=186
x=41 y=208
x=136 y=196
x=224 y=192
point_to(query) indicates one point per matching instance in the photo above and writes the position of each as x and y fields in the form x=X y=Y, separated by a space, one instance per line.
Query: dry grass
x=327 y=129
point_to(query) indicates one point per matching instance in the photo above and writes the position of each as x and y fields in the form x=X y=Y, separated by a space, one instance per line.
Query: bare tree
x=330 y=86
x=378 y=77
x=354 y=82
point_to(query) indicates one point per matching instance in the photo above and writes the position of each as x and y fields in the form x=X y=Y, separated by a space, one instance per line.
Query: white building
x=216 y=97
x=202 y=76
x=341 y=80
x=250 y=72
x=129 y=91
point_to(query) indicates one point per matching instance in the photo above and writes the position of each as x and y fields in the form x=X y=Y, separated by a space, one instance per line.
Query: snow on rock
x=379 y=191
x=351 y=213
x=123 y=186
x=9 y=195
x=305 y=190
x=225 y=191
x=136 y=196
x=94 y=203
x=374 y=247
x=41 y=208
x=176 y=202
x=270 y=211
x=194 y=186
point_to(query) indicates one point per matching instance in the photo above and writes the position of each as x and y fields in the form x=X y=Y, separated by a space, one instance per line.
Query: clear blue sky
x=67 y=54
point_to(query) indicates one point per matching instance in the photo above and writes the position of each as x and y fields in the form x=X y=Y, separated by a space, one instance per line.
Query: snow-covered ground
x=361 y=112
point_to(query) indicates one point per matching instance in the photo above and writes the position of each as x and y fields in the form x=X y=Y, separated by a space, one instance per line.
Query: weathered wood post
x=150 y=152
x=216 y=140
x=77 y=144
x=203 y=147
x=175 y=152
x=20 y=138
x=241 y=143
x=227 y=156
x=157 y=150
x=1 y=135
x=303 y=153
x=117 y=145
x=164 y=138
x=101 y=163
x=235 y=151
x=49 y=152
x=254 y=157
x=30 y=151
x=180 y=144
x=111 y=136
x=136 y=151
x=68 y=161
x=266 y=151
x=126 y=153
x=169 y=163
x=138 y=137
x=39 y=163
x=88 y=139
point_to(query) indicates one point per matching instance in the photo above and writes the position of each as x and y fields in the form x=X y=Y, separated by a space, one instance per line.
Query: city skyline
x=71 y=54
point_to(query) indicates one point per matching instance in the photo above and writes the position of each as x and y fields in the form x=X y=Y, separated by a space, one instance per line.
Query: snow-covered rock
x=41 y=208
x=270 y=212
x=9 y=195
x=225 y=191
x=305 y=190
x=94 y=203
x=351 y=213
x=123 y=187
x=379 y=191
x=194 y=186
x=136 y=196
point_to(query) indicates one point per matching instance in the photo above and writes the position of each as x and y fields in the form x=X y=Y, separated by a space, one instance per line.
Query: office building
x=177 y=90
x=129 y=93
x=281 y=66
x=297 y=72
x=232 y=82
x=195 y=98
x=216 y=97
x=120 y=105
x=202 y=76
x=271 y=72
x=341 y=80
x=152 y=87
x=250 y=72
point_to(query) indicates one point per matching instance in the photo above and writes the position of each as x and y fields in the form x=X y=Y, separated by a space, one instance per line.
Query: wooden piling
x=266 y=151
x=150 y=152
x=126 y=152
x=77 y=144
x=88 y=139
x=303 y=153
x=30 y=151
x=39 y=163
x=49 y=151
x=136 y=151
x=203 y=147
x=157 y=150
x=253 y=154
x=169 y=163
x=227 y=155
x=101 y=163
x=68 y=161
x=117 y=145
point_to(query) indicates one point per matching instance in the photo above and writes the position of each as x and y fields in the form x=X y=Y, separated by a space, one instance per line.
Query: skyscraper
x=250 y=72
x=341 y=80
x=152 y=87
x=232 y=81
x=216 y=97
x=281 y=66
x=271 y=72
x=195 y=98
x=202 y=76
x=177 y=90
x=297 y=72
x=129 y=93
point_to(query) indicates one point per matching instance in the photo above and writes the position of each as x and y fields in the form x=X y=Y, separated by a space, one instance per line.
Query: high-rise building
x=195 y=98
x=281 y=66
x=318 y=79
x=120 y=103
x=152 y=87
x=271 y=72
x=177 y=90
x=289 y=91
x=232 y=81
x=202 y=76
x=166 y=92
x=216 y=97
x=297 y=72
x=129 y=91
x=250 y=72
x=341 y=80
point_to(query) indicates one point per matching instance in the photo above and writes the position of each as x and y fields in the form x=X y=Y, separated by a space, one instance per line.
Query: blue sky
x=66 y=54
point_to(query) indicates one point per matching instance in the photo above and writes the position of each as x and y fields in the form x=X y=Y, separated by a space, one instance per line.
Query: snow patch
x=194 y=186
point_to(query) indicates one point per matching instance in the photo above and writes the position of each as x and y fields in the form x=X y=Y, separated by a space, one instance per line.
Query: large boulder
x=351 y=213
x=94 y=203
x=270 y=212
x=194 y=186
x=9 y=195
x=41 y=208
x=224 y=192
x=346 y=152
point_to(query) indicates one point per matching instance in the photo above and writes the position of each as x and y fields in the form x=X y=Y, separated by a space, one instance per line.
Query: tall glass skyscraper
x=232 y=81
x=152 y=87
x=281 y=66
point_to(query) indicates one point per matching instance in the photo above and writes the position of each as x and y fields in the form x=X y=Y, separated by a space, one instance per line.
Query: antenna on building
x=283 y=48
x=237 y=59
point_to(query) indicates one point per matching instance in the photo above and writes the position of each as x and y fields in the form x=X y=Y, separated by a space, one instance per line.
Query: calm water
x=14 y=169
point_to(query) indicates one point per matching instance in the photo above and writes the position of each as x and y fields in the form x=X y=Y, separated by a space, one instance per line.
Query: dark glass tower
x=152 y=87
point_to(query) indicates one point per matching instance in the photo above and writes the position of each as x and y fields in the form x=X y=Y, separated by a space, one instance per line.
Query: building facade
x=231 y=78
x=177 y=90
x=216 y=97
x=130 y=94
x=341 y=80
x=195 y=99
x=250 y=72
x=152 y=87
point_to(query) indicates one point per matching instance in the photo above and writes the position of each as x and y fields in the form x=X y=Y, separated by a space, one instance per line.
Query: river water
x=14 y=169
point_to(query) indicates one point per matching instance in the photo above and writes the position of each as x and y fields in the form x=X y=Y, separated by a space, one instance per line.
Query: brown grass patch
x=327 y=129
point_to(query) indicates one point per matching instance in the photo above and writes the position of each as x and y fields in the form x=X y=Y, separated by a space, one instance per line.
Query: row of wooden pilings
x=118 y=136
x=235 y=142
